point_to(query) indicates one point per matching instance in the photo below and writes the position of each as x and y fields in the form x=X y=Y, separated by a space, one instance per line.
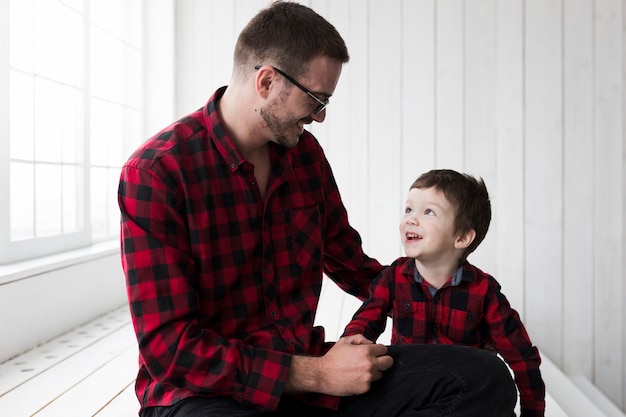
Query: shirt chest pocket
x=410 y=320
x=462 y=327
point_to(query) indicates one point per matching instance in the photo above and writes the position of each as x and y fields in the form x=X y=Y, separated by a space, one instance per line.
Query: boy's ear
x=465 y=239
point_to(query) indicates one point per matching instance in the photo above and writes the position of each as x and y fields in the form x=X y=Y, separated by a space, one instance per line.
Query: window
x=74 y=114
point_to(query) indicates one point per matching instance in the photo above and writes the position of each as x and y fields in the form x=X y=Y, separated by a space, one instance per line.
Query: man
x=230 y=216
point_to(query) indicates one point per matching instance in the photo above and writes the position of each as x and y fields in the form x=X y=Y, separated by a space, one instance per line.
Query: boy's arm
x=511 y=340
x=371 y=318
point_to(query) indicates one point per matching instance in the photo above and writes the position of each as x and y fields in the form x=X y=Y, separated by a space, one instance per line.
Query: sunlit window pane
x=48 y=194
x=99 y=132
x=70 y=202
x=48 y=128
x=53 y=147
x=107 y=65
x=71 y=115
x=134 y=85
x=113 y=211
x=109 y=15
x=58 y=42
x=21 y=34
x=134 y=136
x=76 y=5
x=22 y=201
x=111 y=127
x=21 y=116
x=99 y=198
x=116 y=130
x=133 y=15
x=105 y=212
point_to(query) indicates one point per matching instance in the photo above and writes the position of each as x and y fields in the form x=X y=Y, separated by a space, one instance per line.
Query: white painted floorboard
x=78 y=374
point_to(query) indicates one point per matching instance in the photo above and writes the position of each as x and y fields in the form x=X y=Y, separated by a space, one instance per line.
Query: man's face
x=291 y=108
x=284 y=124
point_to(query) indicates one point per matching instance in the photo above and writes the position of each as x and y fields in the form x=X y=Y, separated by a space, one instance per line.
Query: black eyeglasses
x=321 y=103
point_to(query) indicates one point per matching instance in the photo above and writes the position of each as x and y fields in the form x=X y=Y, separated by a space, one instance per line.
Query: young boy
x=435 y=296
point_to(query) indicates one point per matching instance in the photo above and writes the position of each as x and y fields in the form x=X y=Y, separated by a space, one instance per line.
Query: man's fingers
x=378 y=350
x=384 y=362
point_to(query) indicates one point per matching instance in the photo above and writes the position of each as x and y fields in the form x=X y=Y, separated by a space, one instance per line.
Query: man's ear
x=465 y=239
x=263 y=81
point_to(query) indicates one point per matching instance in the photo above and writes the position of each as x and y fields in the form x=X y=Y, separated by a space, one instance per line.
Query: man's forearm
x=304 y=375
x=348 y=368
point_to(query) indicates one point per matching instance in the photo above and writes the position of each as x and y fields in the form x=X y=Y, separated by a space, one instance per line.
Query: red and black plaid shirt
x=471 y=312
x=222 y=284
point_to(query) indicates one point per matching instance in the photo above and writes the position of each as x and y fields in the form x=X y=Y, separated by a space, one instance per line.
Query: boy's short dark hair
x=468 y=196
x=288 y=35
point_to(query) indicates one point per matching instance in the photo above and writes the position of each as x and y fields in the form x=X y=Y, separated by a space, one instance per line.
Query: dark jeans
x=425 y=381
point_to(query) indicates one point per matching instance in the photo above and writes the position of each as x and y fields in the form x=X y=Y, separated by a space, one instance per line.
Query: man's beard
x=281 y=128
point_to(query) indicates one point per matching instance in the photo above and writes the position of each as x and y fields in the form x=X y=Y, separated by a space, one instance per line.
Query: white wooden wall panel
x=221 y=34
x=244 y=9
x=578 y=132
x=609 y=198
x=620 y=277
x=185 y=51
x=480 y=151
x=384 y=125
x=528 y=94
x=204 y=44
x=449 y=83
x=418 y=91
x=158 y=42
x=543 y=174
x=508 y=188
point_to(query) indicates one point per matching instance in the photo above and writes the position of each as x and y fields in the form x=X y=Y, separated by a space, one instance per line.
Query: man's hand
x=348 y=368
x=357 y=339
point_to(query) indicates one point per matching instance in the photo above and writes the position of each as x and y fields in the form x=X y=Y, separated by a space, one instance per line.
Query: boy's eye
x=429 y=212
x=407 y=210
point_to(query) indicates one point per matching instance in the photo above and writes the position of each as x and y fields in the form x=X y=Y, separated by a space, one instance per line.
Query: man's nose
x=319 y=117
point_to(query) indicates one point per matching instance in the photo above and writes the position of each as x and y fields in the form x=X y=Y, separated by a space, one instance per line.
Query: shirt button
x=273 y=313
x=232 y=166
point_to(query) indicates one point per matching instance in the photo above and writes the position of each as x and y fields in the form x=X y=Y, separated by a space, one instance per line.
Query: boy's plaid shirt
x=471 y=312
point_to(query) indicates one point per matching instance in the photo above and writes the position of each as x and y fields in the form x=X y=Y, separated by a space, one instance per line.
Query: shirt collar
x=218 y=135
x=460 y=275
x=224 y=143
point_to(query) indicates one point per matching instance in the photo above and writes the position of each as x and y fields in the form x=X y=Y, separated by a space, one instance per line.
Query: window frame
x=37 y=247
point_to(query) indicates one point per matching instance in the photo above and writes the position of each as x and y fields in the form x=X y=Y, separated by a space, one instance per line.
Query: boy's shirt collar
x=456 y=279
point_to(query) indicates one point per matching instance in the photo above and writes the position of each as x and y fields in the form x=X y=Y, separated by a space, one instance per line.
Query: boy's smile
x=427 y=227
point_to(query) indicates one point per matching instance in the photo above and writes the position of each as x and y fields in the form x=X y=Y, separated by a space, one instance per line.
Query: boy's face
x=427 y=226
